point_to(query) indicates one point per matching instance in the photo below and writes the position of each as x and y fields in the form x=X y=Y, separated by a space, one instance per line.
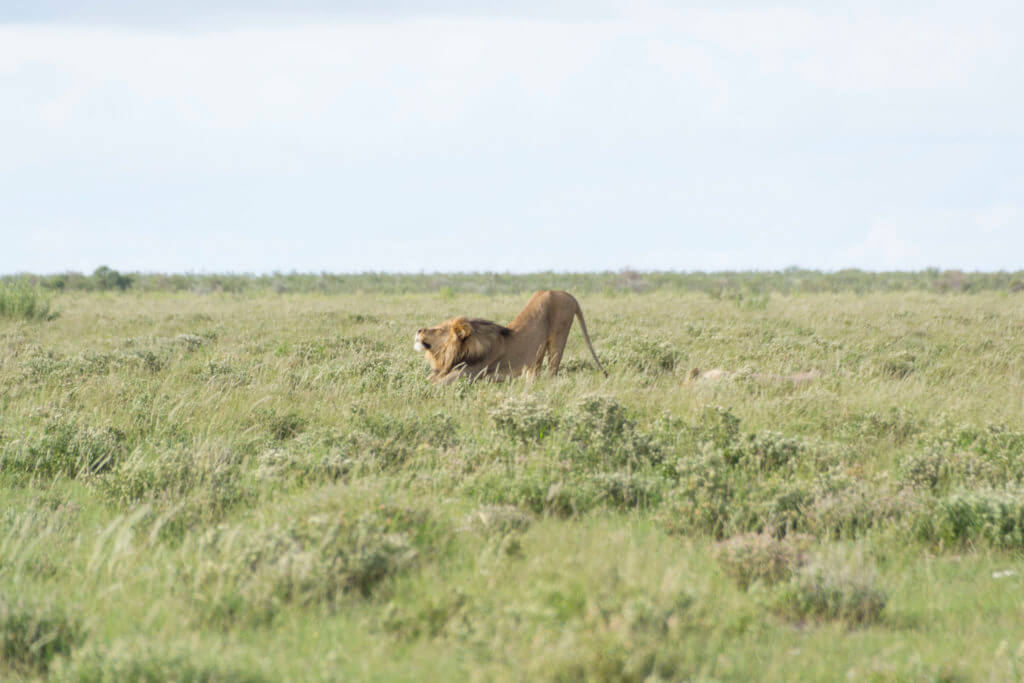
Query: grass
x=258 y=486
x=20 y=300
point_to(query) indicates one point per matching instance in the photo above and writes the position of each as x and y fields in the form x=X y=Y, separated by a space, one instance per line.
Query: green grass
x=20 y=300
x=257 y=486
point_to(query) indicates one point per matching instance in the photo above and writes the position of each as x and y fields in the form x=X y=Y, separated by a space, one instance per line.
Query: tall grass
x=20 y=300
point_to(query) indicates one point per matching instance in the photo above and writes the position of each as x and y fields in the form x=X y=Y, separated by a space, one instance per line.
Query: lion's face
x=430 y=337
x=440 y=344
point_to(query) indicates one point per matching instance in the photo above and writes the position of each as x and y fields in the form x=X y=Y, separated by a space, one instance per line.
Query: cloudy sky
x=261 y=135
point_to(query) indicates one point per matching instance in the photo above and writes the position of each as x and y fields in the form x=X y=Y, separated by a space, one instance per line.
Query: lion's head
x=457 y=341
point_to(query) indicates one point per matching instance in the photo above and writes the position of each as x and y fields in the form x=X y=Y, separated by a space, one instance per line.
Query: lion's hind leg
x=555 y=348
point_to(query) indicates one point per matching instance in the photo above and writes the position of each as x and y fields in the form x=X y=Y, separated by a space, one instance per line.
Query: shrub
x=304 y=467
x=996 y=517
x=762 y=556
x=625 y=491
x=651 y=357
x=937 y=469
x=831 y=590
x=630 y=633
x=897 y=423
x=763 y=452
x=718 y=425
x=105 y=278
x=779 y=504
x=428 y=618
x=541 y=491
x=64 y=447
x=21 y=301
x=32 y=634
x=524 y=418
x=702 y=500
x=243 y=575
x=846 y=508
x=184 y=488
x=603 y=430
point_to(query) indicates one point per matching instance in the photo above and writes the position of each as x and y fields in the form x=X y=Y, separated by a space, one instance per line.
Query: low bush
x=702 y=500
x=762 y=556
x=524 y=418
x=246 y=575
x=994 y=517
x=625 y=491
x=845 y=508
x=827 y=590
x=607 y=436
x=32 y=634
x=184 y=488
x=764 y=452
x=63 y=446
x=304 y=467
x=938 y=470
x=21 y=301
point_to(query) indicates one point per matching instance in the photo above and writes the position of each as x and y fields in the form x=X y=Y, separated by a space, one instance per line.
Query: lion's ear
x=461 y=328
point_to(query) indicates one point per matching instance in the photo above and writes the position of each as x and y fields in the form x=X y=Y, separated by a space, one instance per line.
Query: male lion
x=480 y=348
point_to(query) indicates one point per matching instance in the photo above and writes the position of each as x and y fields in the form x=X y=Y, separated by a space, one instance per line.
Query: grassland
x=264 y=486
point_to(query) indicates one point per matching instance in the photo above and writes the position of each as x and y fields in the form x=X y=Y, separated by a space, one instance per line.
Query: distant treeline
x=717 y=284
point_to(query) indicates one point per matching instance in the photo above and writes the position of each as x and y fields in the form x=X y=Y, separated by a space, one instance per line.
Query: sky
x=569 y=135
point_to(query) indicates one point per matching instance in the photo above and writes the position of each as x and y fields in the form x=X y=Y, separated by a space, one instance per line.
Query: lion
x=474 y=348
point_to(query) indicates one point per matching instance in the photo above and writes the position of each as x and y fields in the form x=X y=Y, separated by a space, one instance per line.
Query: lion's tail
x=586 y=335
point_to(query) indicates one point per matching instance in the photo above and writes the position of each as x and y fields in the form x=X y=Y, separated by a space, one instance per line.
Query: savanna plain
x=261 y=483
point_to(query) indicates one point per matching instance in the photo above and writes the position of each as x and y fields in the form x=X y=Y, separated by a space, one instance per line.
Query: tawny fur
x=480 y=348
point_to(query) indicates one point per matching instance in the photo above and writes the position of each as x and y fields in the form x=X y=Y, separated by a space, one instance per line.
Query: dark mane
x=478 y=346
x=481 y=325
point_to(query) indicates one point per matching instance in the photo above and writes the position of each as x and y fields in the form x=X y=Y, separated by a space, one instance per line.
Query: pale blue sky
x=269 y=135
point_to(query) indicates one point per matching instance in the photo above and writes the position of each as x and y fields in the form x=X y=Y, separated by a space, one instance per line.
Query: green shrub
x=427 y=618
x=628 y=633
x=524 y=418
x=994 y=517
x=938 y=470
x=32 y=634
x=541 y=491
x=22 y=301
x=624 y=491
x=718 y=425
x=63 y=446
x=847 y=508
x=764 y=452
x=304 y=467
x=778 y=504
x=105 y=278
x=762 y=556
x=244 y=575
x=831 y=590
x=702 y=500
x=652 y=357
x=602 y=429
x=184 y=488
x=897 y=424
